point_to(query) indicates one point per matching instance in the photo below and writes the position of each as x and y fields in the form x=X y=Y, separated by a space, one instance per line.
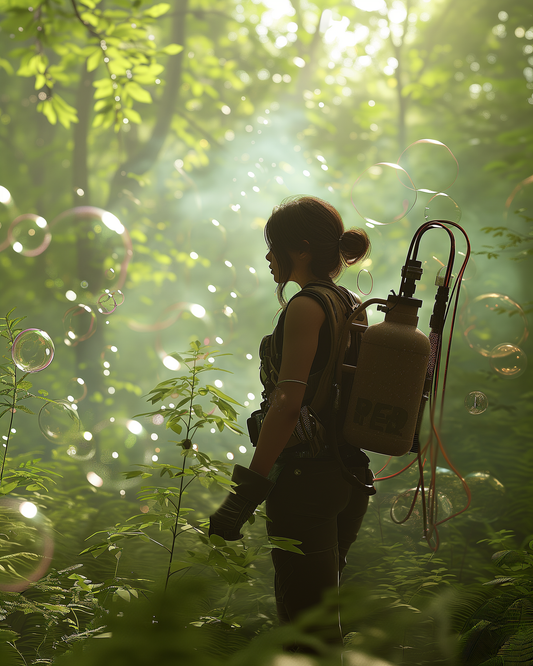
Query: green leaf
x=215 y=391
x=6 y=635
x=157 y=10
x=217 y=540
x=123 y=594
x=6 y=65
x=94 y=60
x=133 y=116
x=137 y=93
x=6 y=489
x=172 y=49
x=22 y=408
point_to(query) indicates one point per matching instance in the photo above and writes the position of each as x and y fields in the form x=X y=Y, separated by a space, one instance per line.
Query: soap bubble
x=76 y=390
x=447 y=482
x=401 y=506
x=519 y=208
x=508 y=360
x=118 y=297
x=29 y=235
x=106 y=303
x=442 y=207
x=32 y=350
x=7 y=214
x=476 y=402
x=488 y=497
x=80 y=323
x=83 y=447
x=365 y=281
x=59 y=421
x=431 y=164
x=26 y=544
x=493 y=319
x=109 y=241
x=383 y=194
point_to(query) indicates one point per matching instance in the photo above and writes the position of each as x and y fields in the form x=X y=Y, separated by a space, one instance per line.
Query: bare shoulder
x=305 y=311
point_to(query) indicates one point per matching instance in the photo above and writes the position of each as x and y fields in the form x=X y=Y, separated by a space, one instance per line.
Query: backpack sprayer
x=398 y=371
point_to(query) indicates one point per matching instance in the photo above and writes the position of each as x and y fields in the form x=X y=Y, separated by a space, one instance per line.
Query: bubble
x=401 y=506
x=508 y=360
x=476 y=402
x=365 y=281
x=519 y=208
x=59 y=421
x=29 y=235
x=80 y=323
x=101 y=231
x=106 y=303
x=431 y=164
x=493 y=319
x=383 y=194
x=76 y=390
x=82 y=449
x=118 y=297
x=32 y=350
x=447 y=482
x=442 y=207
x=26 y=544
x=488 y=497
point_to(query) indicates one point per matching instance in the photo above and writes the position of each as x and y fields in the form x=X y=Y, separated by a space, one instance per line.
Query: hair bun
x=354 y=245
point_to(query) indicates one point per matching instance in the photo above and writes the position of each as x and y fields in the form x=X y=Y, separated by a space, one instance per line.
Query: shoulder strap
x=339 y=304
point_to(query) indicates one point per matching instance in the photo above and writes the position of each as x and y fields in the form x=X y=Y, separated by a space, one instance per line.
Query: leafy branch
x=13 y=390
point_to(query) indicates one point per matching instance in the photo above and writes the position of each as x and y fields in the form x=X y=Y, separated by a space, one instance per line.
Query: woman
x=314 y=493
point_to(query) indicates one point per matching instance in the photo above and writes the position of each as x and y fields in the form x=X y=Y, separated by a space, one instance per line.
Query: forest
x=143 y=148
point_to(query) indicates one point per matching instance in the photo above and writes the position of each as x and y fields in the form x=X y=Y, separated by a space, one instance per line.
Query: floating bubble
x=401 y=505
x=108 y=239
x=493 y=319
x=431 y=164
x=106 y=303
x=26 y=544
x=519 y=208
x=32 y=350
x=442 y=207
x=488 y=497
x=447 y=482
x=383 y=194
x=118 y=296
x=508 y=360
x=29 y=235
x=83 y=448
x=76 y=390
x=476 y=402
x=365 y=281
x=80 y=323
x=59 y=421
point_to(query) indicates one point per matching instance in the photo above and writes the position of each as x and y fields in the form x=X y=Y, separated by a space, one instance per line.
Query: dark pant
x=313 y=503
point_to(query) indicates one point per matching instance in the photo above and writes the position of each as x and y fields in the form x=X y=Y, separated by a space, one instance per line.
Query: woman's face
x=273 y=265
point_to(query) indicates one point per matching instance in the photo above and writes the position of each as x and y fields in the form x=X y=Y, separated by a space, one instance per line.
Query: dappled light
x=145 y=145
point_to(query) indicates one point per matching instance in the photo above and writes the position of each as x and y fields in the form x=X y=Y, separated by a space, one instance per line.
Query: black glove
x=250 y=491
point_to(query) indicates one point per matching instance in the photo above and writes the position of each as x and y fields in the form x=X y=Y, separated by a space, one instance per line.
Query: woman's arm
x=300 y=341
